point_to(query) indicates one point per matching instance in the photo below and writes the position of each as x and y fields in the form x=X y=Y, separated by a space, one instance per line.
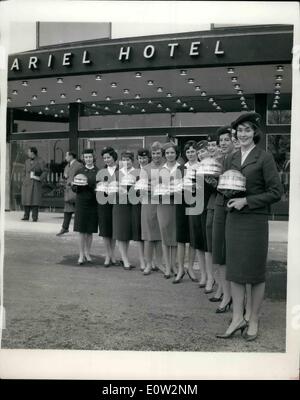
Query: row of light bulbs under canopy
x=230 y=70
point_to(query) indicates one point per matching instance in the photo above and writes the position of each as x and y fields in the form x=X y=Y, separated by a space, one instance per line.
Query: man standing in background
x=31 y=193
x=70 y=171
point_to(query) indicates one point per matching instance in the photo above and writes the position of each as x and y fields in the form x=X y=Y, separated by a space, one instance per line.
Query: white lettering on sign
x=194 y=50
x=124 y=51
x=66 y=59
x=50 y=61
x=172 y=48
x=15 y=65
x=124 y=55
x=32 y=62
x=85 y=59
x=148 y=54
x=217 y=49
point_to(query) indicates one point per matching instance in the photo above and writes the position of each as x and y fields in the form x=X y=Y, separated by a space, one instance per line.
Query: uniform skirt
x=246 y=247
x=122 y=222
x=86 y=219
x=150 y=228
x=136 y=210
x=182 y=224
x=105 y=220
x=197 y=226
x=209 y=227
x=166 y=215
x=218 y=236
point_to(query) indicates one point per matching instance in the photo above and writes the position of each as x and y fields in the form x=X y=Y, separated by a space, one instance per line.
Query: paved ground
x=53 y=304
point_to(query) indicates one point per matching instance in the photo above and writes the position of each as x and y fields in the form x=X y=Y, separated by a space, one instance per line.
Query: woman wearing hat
x=166 y=210
x=86 y=221
x=198 y=229
x=149 y=222
x=218 y=230
x=247 y=224
x=188 y=171
x=213 y=150
x=143 y=157
x=122 y=210
x=105 y=207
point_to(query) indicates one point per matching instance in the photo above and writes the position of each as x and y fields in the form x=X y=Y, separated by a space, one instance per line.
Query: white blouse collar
x=173 y=168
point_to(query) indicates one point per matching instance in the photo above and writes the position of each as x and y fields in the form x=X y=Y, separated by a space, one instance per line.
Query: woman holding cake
x=86 y=221
x=188 y=172
x=212 y=181
x=143 y=157
x=198 y=238
x=122 y=210
x=247 y=224
x=166 y=210
x=149 y=222
x=106 y=177
x=218 y=231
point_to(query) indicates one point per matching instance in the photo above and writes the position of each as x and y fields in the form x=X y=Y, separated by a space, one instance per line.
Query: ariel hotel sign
x=179 y=52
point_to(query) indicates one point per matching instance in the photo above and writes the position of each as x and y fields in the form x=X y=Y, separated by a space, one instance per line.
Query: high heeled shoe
x=210 y=290
x=241 y=327
x=179 y=279
x=147 y=271
x=202 y=285
x=190 y=276
x=250 y=338
x=89 y=261
x=80 y=262
x=221 y=310
x=216 y=299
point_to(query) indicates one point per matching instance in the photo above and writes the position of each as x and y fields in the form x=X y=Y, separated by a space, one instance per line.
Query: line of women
x=229 y=237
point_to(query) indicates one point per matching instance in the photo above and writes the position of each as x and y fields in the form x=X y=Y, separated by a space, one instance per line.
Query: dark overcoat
x=31 y=192
x=69 y=196
x=247 y=229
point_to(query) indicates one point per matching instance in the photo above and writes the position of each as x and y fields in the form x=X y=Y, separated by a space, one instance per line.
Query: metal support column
x=74 y=113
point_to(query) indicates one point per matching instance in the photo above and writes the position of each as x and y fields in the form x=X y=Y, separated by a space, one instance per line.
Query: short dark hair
x=33 y=150
x=71 y=153
x=202 y=144
x=143 y=152
x=128 y=153
x=189 y=143
x=167 y=145
x=256 y=129
x=111 y=151
x=89 y=151
x=224 y=130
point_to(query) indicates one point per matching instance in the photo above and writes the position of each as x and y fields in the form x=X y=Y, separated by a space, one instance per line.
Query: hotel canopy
x=222 y=70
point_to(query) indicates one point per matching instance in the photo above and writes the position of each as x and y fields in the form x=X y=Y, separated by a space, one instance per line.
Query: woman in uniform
x=218 y=229
x=213 y=150
x=143 y=157
x=188 y=171
x=122 y=210
x=166 y=210
x=149 y=223
x=86 y=221
x=105 y=208
x=198 y=229
x=247 y=224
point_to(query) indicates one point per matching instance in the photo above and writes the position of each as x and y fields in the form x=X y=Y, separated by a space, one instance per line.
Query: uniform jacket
x=31 y=192
x=263 y=185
